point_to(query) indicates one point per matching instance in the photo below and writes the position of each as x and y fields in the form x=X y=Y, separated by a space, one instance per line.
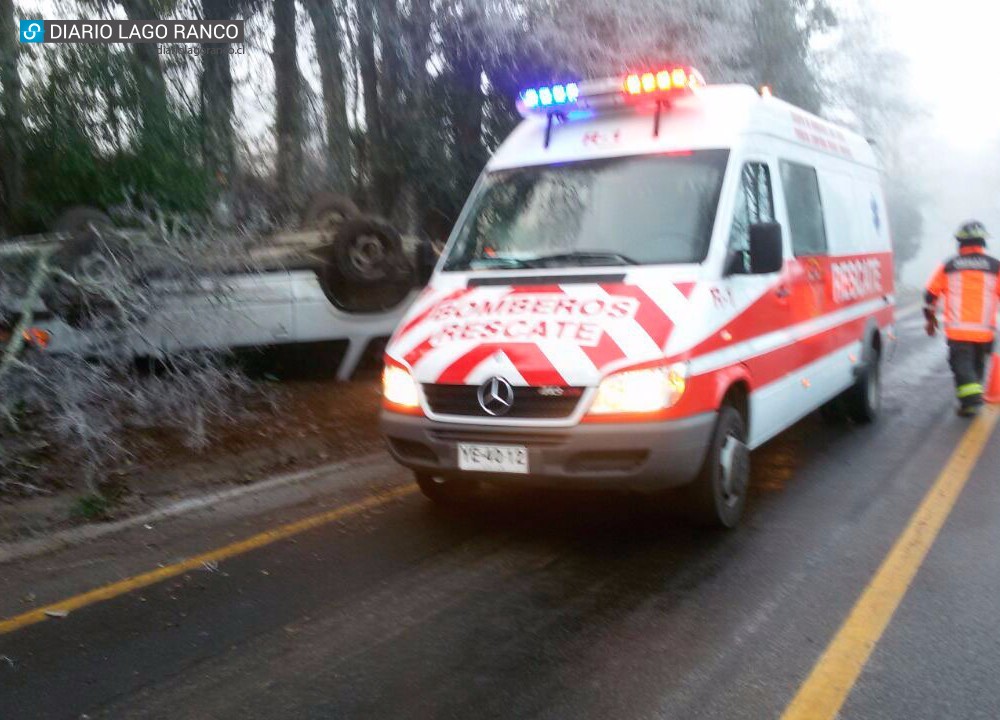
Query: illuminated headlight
x=399 y=388
x=641 y=391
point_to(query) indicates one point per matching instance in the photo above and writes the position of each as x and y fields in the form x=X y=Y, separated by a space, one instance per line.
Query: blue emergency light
x=550 y=96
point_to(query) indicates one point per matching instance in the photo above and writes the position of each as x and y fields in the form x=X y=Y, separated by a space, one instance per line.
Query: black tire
x=863 y=401
x=718 y=495
x=443 y=491
x=359 y=298
x=81 y=219
x=368 y=251
x=327 y=210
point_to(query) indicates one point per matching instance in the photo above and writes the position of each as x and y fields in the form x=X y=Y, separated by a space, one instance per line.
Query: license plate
x=493 y=458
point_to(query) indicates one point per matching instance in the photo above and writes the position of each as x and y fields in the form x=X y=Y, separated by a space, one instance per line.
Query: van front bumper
x=634 y=456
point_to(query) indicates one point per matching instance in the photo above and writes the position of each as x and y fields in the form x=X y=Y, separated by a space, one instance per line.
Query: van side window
x=805 y=209
x=754 y=204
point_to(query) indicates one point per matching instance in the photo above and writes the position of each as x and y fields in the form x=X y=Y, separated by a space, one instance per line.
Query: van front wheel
x=441 y=490
x=718 y=495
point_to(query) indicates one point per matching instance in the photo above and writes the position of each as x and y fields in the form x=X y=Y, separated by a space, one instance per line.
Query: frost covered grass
x=86 y=409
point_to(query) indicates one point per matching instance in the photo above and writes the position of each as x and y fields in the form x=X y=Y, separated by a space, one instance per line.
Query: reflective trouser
x=968 y=363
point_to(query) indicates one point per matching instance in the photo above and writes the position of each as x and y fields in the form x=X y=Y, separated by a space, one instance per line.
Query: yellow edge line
x=827 y=687
x=267 y=537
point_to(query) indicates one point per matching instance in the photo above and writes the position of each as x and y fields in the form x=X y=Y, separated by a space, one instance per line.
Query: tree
x=288 y=122
x=780 y=53
x=148 y=72
x=878 y=106
x=372 y=154
x=11 y=118
x=217 y=94
x=326 y=16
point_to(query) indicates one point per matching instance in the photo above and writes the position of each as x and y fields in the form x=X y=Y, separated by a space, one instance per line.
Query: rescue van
x=651 y=278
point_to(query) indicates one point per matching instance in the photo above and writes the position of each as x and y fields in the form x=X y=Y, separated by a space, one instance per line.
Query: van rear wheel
x=864 y=400
x=718 y=495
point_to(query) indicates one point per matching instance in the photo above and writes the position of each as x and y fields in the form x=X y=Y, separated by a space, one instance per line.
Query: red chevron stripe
x=530 y=361
x=414 y=356
x=420 y=317
x=649 y=316
x=605 y=352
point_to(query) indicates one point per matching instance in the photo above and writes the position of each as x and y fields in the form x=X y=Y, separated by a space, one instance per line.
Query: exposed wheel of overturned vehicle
x=80 y=219
x=364 y=269
x=328 y=210
x=90 y=263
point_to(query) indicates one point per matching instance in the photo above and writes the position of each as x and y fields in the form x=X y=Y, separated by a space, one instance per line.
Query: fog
x=956 y=147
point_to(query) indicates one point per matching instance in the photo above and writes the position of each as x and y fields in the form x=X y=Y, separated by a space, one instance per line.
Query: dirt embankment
x=298 y=423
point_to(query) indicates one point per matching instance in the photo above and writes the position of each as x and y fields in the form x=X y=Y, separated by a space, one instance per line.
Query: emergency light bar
x=653 y=86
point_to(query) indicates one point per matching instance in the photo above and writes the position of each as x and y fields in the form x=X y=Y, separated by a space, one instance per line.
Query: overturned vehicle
x=158 y=285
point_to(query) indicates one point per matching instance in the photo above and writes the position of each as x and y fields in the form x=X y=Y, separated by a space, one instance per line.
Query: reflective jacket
x=970 y=285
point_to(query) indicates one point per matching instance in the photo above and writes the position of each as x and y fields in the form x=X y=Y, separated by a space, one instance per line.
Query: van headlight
x=644 y=390
x=399 y=389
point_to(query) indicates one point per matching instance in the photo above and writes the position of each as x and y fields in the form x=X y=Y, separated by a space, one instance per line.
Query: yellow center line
x=136 y=582
x=835 y=673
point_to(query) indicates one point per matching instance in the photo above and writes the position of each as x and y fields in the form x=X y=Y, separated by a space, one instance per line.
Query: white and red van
x=651 y=278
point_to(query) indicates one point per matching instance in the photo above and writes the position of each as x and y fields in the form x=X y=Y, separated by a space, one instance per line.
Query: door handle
x=782 y=292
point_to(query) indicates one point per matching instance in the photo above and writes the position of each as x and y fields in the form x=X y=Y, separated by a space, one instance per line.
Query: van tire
x=442 y=491
x=718 y=495
x=863 y=400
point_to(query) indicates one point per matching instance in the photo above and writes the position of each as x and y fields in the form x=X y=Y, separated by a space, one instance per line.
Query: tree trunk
x=288 y=102
x=217 y=96
x=392 y=107
x=409 y=83
x=467 y=112
x=368 y=70
x=11 y=119
x=148 y=71
x=325 y=15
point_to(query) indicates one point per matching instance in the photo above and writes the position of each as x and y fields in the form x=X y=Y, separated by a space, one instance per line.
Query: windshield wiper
x=482 y=263
x=591 y=258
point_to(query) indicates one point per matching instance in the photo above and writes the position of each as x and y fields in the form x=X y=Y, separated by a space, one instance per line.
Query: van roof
x=718 y=116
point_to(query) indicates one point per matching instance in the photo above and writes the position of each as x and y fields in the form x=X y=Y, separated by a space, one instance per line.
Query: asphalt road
x=547 y=605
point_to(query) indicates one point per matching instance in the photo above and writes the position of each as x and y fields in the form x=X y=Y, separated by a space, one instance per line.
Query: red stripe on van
x=413 y=357
x=605 y=352
x=420 y=317
x=649 y=316
x=534 y=366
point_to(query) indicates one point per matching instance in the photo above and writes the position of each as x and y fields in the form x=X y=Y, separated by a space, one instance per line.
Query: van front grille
x=530 y=403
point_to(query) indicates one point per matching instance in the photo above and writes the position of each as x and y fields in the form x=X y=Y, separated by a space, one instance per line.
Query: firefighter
x=970 y=286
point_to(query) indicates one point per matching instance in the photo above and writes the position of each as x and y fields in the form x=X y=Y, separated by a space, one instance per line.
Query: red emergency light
x=661 y=82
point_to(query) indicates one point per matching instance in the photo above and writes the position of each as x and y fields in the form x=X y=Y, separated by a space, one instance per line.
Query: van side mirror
x=766 y=248
x=426 y=261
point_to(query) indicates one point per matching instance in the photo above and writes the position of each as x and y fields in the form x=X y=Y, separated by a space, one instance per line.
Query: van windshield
x=645 y=210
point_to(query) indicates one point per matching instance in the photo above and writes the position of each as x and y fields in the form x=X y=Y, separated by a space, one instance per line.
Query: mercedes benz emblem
x=496 y=396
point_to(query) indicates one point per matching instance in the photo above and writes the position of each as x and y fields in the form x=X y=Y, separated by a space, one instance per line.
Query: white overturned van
x=652 y=277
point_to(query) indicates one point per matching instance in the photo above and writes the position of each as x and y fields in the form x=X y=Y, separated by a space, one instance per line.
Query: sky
x=954 y=59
